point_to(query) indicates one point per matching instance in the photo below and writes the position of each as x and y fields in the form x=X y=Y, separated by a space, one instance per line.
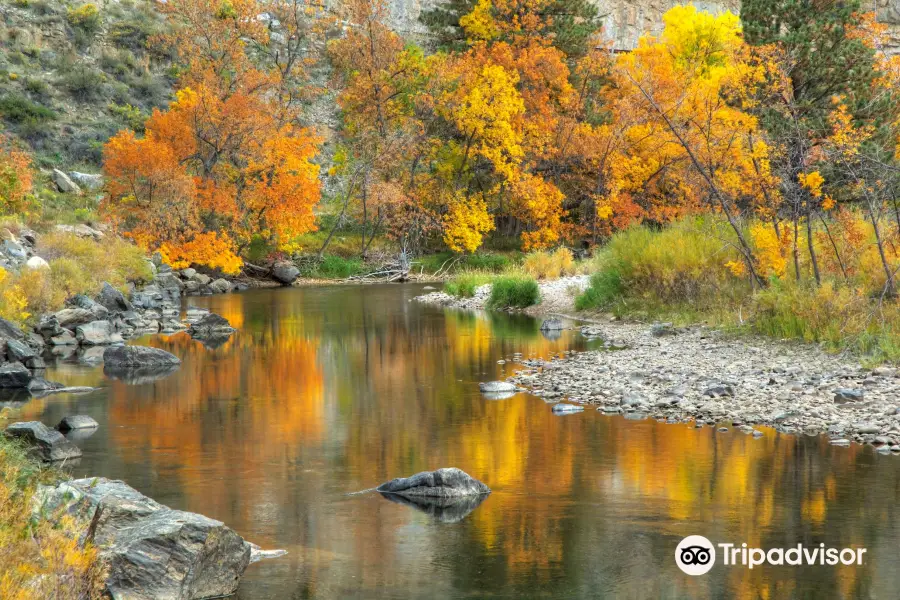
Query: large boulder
x=14 y=375
x=97 y=333
x=138 y=356
x=220 y=286
x=442 y=483
x=285 y=272
x=47 y=444
x=64 y=183
x=36 y=262
x=151 y=551
x=209 y=325
x=18 y=351
x=72 y=317
x=99 y=311
x=112 y=299
x=89 y=181
x=10 y=331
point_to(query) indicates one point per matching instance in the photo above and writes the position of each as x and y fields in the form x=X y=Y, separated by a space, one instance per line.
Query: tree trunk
x=811 y=245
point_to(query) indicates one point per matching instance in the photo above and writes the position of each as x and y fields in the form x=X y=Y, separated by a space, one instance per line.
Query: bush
x=605 y=288
x=86 y=18
x=514 y=292
x=465 y=284
x=19 y=109
x=83 y=82
x=549 y=265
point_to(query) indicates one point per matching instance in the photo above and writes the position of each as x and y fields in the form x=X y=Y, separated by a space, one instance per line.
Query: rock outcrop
x=46 y=444
x=150 y=550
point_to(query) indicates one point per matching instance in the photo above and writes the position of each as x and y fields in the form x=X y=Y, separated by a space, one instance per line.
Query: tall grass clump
x=513 y=292
x=334 y=267
x=464 y=285
x=40 y=556
x=684 y=264
x=549 y=265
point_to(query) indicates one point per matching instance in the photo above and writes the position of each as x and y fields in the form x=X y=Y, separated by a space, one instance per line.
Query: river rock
x=97 y=333
x=48 y=444
x=112 y=299
x=10 y=331
x=552 y=325
x=442 y=483
x=842 y=395
x=285 y=272
x=14 y=375
x=99 y=311
x=211 y=329
x=65 y=338
x=64 y=183
x=662 y=329
x=21 y=352
x=72 y=317
x=220 y=286
x=138 y=356
x=562 y=408
x=151 y=551
x=497 y=387
x=76 y=422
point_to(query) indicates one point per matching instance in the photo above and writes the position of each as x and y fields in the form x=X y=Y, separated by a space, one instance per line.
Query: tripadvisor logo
x=696 y=555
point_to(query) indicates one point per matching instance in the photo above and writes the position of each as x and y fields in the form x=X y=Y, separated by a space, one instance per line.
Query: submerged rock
x=150 y=550
x=211 y=325
x=442 y=483
x=47 y=444
x=497 y=387
x=552 y=325
x=562 y=408
x=77 y=422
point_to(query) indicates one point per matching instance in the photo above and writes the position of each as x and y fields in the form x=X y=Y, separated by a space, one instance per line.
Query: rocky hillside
x=74 y=73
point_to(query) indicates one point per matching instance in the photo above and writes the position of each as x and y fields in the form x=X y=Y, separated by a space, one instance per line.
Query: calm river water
x=331 y=390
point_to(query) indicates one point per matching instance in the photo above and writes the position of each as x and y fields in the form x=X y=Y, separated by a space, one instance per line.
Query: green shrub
x=605 y=288
x=131 y=116
x=86 y=18
x=38 y=87
x=83 y=82
x=465 y=284
x=514 y=292
x=19 y=109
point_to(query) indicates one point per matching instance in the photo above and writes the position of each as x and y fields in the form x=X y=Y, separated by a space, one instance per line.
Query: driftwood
x=394 y=271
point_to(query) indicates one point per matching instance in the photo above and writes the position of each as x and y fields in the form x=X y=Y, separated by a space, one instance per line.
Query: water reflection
x=328 y=391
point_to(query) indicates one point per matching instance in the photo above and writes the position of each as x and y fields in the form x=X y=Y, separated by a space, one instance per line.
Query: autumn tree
x=812 y=52
x=15 y=177
x=689 y=136
x=227 y=162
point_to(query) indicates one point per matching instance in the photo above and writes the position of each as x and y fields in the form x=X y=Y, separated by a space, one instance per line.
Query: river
x=331 y=390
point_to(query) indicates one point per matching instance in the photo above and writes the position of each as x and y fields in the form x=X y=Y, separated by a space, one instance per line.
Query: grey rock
x=151 y=551
x=10 y=331
x=138 y=356
x=14 y=250
x=220 y=286
x=202 y=279
x=562 y=408
x=497 y=387
x=64 y=183
x=112 y=299
x=553 y=324
x=840 y=442
x=843 y=395
x=662 y=329
x=36 y=262
x=285 y=272
x=447 y=482
x=77 y=422
x=89 y=181
x=719 y=390
x=72 y=317
x=97 y=333
x=65 y=338
x=14 y=376
x=19 y=352
x=99 y=311
x=47 y=444
x=211 y=326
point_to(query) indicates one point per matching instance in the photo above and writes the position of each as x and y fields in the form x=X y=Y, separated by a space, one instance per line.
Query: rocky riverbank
x=703 y=376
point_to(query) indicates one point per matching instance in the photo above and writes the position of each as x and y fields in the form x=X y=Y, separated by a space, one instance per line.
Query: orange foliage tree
x=228 y=161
